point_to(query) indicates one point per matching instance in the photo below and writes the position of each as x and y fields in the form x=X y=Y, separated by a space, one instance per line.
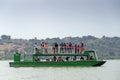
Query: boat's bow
x=99 y=63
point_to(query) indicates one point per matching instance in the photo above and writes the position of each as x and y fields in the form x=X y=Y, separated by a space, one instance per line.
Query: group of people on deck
x=67 y=58
x=62 y=47
x=68 y=48
x=54 y=59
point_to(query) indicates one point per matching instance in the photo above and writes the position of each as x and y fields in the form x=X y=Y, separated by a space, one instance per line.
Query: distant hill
x=106 y=47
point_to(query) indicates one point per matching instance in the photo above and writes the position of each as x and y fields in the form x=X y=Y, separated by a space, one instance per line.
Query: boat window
x=83 y=58
x=91 y=56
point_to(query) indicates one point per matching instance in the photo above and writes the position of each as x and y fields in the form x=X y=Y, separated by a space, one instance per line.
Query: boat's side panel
x=55 y=64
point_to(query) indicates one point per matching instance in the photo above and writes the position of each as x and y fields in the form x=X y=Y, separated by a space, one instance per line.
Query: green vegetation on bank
x=106 y=47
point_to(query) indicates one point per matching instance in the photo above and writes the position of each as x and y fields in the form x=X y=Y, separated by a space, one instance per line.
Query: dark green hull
x=56 y=64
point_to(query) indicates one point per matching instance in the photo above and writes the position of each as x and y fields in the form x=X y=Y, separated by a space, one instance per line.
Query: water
x=109 y=71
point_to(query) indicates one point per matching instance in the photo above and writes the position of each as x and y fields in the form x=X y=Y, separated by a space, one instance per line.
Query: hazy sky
x=59 y=18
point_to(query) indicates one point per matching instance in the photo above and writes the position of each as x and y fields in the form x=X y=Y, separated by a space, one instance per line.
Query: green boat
x=87 y=58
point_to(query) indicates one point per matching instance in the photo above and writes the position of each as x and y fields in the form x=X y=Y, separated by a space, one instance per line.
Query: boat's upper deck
x=85 y=53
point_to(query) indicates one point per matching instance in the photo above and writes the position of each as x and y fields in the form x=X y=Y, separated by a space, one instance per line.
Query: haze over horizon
x=59 y=18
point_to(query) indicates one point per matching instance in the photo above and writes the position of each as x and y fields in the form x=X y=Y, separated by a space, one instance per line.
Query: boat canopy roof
x=85 y=53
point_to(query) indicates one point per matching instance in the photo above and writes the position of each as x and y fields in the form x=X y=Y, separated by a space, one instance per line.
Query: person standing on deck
x=82 y=50
x=78 y=49
x=82 y=47
x=46 y=47
x=70 y=47
x=67 y=47
x=35 y=48
x=42 y=47
x=75 y=48
x=61 y=47
x=56 y=47
x=64 y=47
x=53 y=48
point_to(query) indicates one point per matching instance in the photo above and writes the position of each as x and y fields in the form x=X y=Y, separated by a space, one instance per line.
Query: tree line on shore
x=106 y=47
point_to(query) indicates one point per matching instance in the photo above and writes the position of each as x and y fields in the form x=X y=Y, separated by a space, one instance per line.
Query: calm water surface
x=109 y=71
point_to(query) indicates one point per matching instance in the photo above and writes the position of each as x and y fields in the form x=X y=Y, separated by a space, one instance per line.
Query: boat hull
x=56 y=64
